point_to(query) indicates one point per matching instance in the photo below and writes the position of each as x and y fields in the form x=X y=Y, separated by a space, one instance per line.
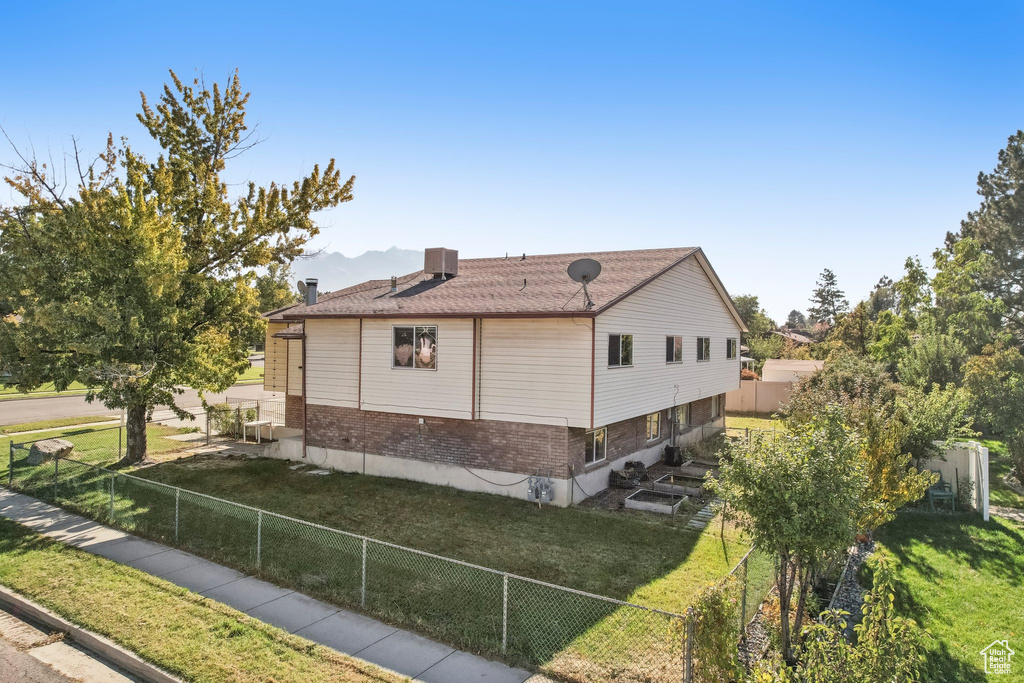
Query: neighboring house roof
x=793 y=365
x=534 y=286
x=798 y=338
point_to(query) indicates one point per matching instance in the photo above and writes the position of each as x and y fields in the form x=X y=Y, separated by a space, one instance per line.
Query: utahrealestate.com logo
x=997 y=657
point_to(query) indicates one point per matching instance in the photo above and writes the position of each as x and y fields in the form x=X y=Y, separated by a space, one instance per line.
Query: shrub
x=227 y=420
x=715 y=634
x=749 y=374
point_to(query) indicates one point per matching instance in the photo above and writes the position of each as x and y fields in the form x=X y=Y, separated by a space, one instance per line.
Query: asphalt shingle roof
x=536 y=285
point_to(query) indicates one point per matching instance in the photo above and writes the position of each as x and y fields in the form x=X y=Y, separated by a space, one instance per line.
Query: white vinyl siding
x=295 y=367
x=332 y=362
x=446 y=392
x=533 y=370
x=681 y=300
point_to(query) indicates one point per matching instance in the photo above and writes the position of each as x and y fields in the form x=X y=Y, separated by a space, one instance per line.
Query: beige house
x=494 y=374
x=782 y=370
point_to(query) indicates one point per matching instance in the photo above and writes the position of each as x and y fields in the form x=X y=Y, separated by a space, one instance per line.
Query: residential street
x=14 y=411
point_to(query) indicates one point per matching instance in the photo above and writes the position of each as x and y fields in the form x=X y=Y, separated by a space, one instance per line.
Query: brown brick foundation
x=293 y=411
x=485 y=444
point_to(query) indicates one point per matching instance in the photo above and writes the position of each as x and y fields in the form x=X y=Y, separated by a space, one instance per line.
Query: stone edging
x=97 y=644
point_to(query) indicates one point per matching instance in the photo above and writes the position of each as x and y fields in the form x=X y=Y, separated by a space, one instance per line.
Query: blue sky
x=782 y=139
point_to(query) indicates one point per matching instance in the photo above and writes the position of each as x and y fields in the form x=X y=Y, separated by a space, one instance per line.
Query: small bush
x=227 y=420
x=715 y=634
x=749 y=374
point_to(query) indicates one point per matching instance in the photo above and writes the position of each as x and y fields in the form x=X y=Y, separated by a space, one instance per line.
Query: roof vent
x=441 y=263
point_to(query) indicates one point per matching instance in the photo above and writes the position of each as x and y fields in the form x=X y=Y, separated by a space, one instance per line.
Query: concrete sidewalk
x=347 y=632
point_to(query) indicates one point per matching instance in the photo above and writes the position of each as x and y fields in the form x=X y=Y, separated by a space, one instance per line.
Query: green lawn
x=179 y=631
x=55 y=423
x=963 y=580
x=639 y=557
x=98 y=445
x=251 y=374
x=753 y=422
x=48 y=389
x=998 y=466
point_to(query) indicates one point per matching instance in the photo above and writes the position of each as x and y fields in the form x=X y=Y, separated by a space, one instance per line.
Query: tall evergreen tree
x=796 y=320
x=998 y=227
x=141 y=281
x=828 y=302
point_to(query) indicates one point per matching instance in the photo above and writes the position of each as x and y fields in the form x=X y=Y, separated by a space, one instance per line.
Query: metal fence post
x=112 y=477
x=10 y=466
x=259 y=537
x=504 y=612
x=120 y=433
x=743 y=600
x=362 y=595
x=177 y=500
x=207 y=427
x=55 y=461
x=688 y=657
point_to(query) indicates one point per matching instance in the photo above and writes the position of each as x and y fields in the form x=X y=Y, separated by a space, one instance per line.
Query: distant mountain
x=336 y=271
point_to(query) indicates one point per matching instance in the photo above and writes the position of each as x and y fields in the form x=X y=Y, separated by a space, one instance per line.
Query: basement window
x=683 y=415
x=653 y=426
x=730 y=348
x=716 y=406
x=703 y=348
x=415 y=347
x=673 y=349
x=620 y=350
x=595 y=445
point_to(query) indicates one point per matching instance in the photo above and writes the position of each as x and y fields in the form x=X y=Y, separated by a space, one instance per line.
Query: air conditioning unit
x=441 y=262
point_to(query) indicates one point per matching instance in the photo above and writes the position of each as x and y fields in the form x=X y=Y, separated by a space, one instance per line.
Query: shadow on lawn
x=454 y=602
x=940 y=663
x=952 y=534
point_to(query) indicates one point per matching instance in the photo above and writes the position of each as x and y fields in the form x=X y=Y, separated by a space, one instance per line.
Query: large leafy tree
x=274 y=290
x=998 y=227
x=799 y=497
x=755 y=317
x=828 y=302
x=995 y=379
x=139 y=281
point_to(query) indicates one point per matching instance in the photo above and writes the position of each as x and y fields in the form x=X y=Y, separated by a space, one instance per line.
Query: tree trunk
x=805 y=583
x=785 y=591
x=136 y=432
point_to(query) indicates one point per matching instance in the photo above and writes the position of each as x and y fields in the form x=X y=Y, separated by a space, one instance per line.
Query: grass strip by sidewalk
x=56 y=423
x=181 y=632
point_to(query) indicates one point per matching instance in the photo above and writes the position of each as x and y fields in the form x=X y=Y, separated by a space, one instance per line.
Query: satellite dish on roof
x=302 y=287
x=585 y=270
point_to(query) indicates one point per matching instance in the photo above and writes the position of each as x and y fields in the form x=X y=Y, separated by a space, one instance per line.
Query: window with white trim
x=595 y=445
x=703 y=348
x=730 y=348
x=716 y=408
x=683 y=415
x=620 y=350
x=653 y=426
x=415 y=347
x=674 y=349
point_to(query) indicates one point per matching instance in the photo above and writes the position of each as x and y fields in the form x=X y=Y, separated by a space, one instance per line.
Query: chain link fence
x=569 y=634
x=746 y=435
